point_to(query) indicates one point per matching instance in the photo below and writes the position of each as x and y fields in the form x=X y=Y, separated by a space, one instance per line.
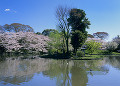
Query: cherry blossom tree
x=23 y=40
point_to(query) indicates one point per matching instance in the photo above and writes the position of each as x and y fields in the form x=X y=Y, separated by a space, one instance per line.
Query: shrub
x=111 y=46
x=80 y=53
x=51 y=51
x=92 y=46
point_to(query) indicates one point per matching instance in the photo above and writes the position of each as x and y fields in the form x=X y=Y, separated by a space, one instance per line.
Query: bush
x=92 y=46
x=80 y=53
x=2 y=49
x=51 y=51
x=111 y=46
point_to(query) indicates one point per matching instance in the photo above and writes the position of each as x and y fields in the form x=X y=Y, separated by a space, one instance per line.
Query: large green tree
x=78 y=20
x=79 y=23
x=78 y=38
x=55 y=45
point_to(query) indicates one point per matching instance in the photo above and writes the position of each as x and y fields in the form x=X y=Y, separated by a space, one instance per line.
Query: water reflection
x=18 y=71
x=114 y=61
x=74 y=73
x=62 y=72
x=78 y=74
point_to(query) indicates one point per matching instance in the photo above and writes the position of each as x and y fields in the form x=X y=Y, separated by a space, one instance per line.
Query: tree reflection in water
x=72 y=73
x=18 y=71
x=63 y=72
x=114 y=61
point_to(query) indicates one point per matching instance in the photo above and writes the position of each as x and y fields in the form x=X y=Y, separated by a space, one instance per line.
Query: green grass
x=88 y=57
x=115 y=53
x=99 y=54
x=104 y=52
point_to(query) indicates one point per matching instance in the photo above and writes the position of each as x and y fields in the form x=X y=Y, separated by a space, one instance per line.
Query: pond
x=49 y=72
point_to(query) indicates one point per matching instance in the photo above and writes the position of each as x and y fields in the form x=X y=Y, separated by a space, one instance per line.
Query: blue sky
x=104 y=15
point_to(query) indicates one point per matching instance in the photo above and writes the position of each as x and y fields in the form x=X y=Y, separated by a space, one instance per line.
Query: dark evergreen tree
x=79 y=23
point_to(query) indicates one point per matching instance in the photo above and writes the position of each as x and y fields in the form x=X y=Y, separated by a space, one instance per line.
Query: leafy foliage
x=47 y=32
x=56 y=44
x=80 y=53
x=92 y=46
x=79 y=23
x=17 y=27
x=78 y=20
x=39 y=33
x=78 y=39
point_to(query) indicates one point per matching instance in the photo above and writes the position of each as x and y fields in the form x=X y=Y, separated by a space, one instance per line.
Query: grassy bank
x=88 y=57
x=95 y=56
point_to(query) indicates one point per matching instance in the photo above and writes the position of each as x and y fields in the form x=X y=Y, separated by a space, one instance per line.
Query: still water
x=48 y=72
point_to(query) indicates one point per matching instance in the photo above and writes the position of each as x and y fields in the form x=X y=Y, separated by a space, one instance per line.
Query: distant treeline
x=16 y=27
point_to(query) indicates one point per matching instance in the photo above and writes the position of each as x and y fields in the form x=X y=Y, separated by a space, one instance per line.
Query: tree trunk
x=75 y=50
x=67 y=40
x=67 y=45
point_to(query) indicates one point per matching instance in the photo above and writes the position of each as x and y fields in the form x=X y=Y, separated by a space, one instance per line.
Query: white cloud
x=7 y=10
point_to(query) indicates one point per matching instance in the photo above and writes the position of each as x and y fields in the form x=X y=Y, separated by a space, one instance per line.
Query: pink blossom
x=26 y=40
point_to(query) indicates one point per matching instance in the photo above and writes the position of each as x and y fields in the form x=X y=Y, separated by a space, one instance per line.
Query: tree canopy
x=90 y=36
x=47 y=32
x=21 y=42
x=78 y=20
x=17 y=27
x=55 y=45
x=92 y=46
x=38 y=33
x=101 y=35
x=79 y=23
x=78 y=39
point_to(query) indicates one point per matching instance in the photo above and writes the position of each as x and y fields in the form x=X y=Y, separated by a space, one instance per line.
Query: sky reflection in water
x=47 y=72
